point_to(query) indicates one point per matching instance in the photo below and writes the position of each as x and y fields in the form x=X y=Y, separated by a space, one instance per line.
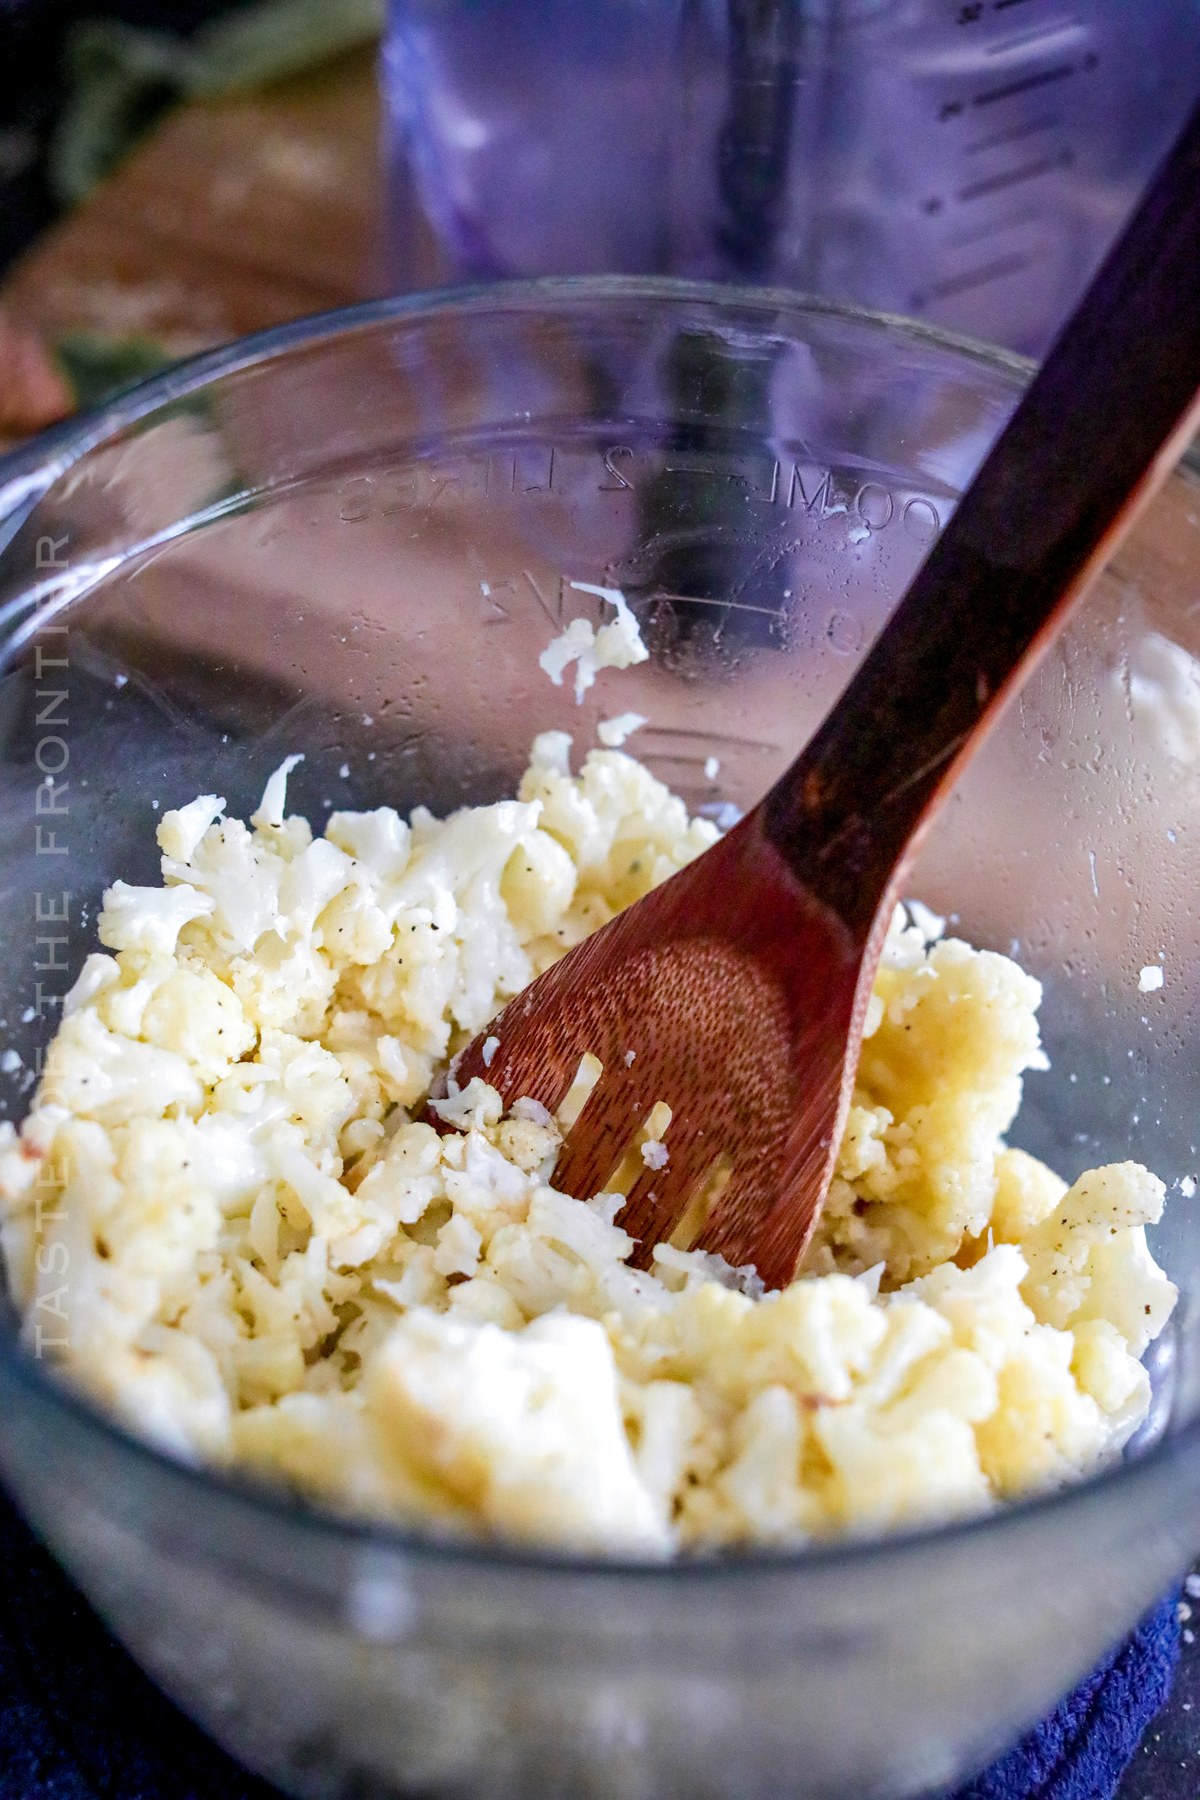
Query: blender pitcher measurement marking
x=1049 y=59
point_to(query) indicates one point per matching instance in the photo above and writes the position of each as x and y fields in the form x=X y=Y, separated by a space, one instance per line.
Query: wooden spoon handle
x=1098 y=431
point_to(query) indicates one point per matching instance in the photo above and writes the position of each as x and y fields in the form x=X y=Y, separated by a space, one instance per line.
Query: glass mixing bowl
x=351 y=537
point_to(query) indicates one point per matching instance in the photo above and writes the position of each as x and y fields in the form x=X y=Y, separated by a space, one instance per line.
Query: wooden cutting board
x=234 y=215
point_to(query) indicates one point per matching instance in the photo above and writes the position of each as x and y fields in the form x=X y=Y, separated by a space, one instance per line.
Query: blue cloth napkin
x=1082 y=1750
x=79 y=1721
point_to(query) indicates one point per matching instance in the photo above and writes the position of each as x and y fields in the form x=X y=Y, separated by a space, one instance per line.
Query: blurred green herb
x=98 y=366
x=123 y=78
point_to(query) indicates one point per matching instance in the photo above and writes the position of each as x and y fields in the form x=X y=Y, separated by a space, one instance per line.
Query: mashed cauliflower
x=617 y=645
x=224 y=1218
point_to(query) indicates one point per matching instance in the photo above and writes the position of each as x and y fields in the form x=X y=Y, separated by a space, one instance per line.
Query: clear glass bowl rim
x=27 y=472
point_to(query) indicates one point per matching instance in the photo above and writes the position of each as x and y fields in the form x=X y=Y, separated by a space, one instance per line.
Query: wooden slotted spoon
x=736 y=991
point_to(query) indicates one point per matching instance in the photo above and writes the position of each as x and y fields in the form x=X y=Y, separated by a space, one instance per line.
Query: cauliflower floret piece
x=472 y=1107
x=165 y=1214
x=1044 y=1430
x=169 y=1390
x=486 y=1302
x=181 y=829
x=408 y=1178
x=353 y=928
x=1026 y=1193
x=938 y=1084
x=1089 y=1259
x=523 y=1426
x=380 y=840
x=624 y=831
x=307 y=885
x=329 y=1445
x=1116 y=1381
x=240 y=875
x=531 y=1145
x=143 y=918
x=486 y=1189
x=99 y=1074
x=613 y=732
x=667 y=1429
x=887 y=1478
x=200 y=1019
x=288 y=1318
x=313 y=1082
x=286 y=984
x=538 y=884
x=458 y=1247
x=617 y=645
x=457 y=954
x=759 y=1493
x=322 y=1442
x=98 y=972
x=269 y=816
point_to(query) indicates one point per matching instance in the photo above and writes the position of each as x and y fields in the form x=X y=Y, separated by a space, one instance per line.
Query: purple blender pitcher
x=967 y=162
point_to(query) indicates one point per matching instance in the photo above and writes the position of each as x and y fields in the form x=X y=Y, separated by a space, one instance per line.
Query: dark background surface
x=1167 y=1765
x=78 y=1721
x=32 y=91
